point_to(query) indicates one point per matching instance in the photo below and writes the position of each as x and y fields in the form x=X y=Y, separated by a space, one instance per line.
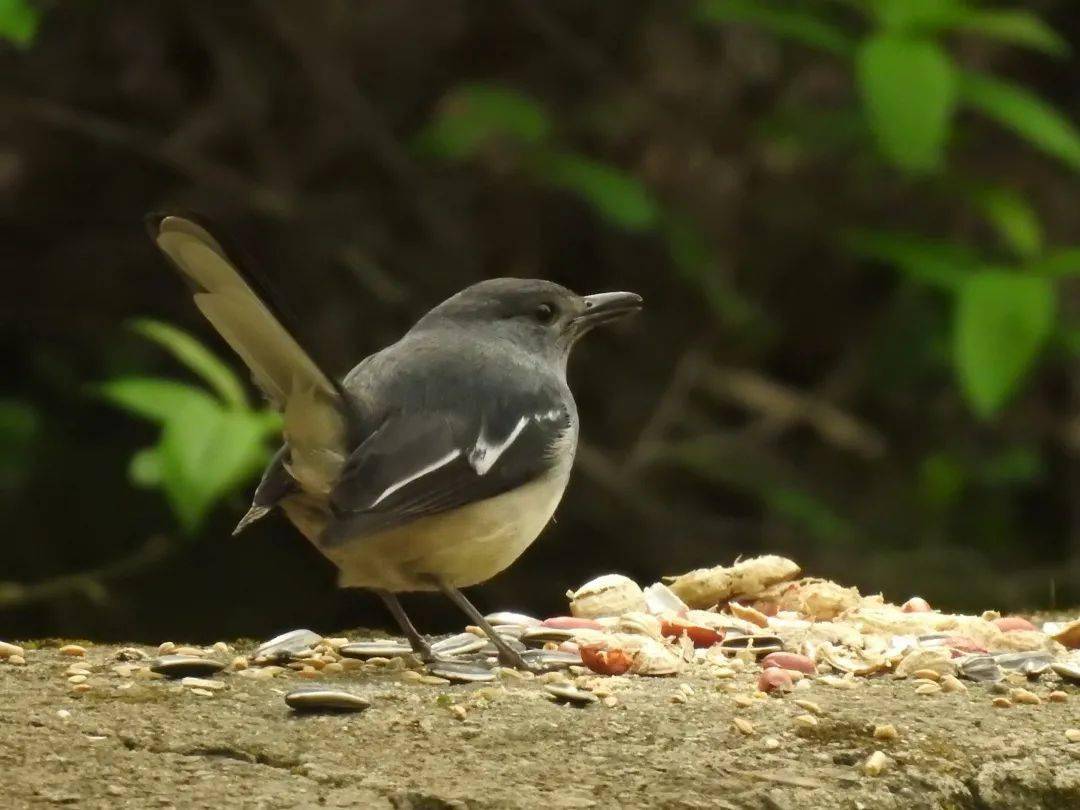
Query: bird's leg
x=507 y=655
x=420 y=645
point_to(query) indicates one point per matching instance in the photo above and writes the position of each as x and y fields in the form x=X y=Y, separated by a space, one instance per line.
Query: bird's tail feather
x=313 y=404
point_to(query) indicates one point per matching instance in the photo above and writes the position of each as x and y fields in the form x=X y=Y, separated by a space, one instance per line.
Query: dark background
x=780 y=393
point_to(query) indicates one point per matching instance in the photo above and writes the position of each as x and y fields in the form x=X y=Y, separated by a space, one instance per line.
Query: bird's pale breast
x=463 y=546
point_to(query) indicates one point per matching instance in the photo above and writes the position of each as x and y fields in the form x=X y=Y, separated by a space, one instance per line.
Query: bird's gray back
x=449 y=369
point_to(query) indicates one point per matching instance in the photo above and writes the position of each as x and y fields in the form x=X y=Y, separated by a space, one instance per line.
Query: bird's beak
x=605 y=307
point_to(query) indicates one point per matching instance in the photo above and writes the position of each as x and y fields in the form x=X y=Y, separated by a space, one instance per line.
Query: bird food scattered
x=812 y=633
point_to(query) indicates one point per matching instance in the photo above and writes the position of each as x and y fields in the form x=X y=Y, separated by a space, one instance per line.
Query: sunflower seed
x=759 y=645
x=509 y=617
x=1067 y=670
x=538 y=636
x=323 y=699
x=570 y=694
x=980 y=668
x=461 y=644
x=1032 y=664
x=286 y=646
x=461 y=672
x=551 y=659
x=181 y=666
x=386 y=648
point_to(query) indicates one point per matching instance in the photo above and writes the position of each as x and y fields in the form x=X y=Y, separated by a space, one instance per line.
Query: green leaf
x=618 y=197
x=936 y=262
x=20 y=424
x=19 y=21
x=1012 y=466
x=1059 y=263
x=1025 y=113
x=205 y=454
x=696 y=263
x=196 y=357
x=144 y=469
x=790 y=23
x=804 y=510
x=471 y=116
x=909 y=91
x=942 y=480
x=1015 y=27
x=158 y=400
x=1070 y=339
x=1013 y=217
x=20 y=429
x=1002 y=321
x=1012 y=26
x=917 y=16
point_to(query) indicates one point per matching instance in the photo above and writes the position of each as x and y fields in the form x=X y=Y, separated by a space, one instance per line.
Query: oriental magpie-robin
x=436 y=461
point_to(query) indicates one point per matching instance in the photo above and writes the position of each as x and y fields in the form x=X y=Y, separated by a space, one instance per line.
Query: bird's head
x=539 y=316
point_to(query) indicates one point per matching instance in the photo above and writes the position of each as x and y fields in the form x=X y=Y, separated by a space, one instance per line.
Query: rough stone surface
x=154 y=744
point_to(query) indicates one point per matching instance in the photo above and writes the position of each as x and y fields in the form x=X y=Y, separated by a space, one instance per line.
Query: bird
x=435 y=462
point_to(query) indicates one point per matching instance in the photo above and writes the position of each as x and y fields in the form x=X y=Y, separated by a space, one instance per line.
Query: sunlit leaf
x=472 y=116
x=909 y=91
x=796 y=24
x=1013 y=217
x=917 y=16
x=936 y=262
x=19 y=20
x=205 y=454
x=1002 y=321
x=618 y=197
x=196 y=357
x=1059 y=263
x=1014 y=26
x=158 y=400
x=144 y=469
x=1020 y=110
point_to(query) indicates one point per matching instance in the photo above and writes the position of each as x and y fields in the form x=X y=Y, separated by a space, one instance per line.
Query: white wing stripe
x=484 y=455
x=430 y=468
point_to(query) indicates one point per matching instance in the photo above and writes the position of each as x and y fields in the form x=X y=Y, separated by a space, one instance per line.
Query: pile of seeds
x=760 y=613
x=757 y=616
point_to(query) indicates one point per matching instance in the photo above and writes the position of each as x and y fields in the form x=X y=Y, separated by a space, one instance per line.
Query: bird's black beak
x=606 y=307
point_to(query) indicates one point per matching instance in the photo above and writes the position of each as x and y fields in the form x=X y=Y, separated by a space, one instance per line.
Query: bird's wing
x=229 y=297
x=421 y=464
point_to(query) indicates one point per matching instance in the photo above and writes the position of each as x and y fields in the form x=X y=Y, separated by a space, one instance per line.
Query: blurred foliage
x=474 y=120
x=477 y=117
x=18 y=21
x=911 y=89
x=211 y=441
x=20 y=427
x=852 y=220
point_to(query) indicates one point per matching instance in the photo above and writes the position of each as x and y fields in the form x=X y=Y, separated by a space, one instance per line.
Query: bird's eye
x=544 y=313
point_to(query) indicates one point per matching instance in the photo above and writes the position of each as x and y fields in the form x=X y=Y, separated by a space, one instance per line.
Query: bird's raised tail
x=313 y=404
